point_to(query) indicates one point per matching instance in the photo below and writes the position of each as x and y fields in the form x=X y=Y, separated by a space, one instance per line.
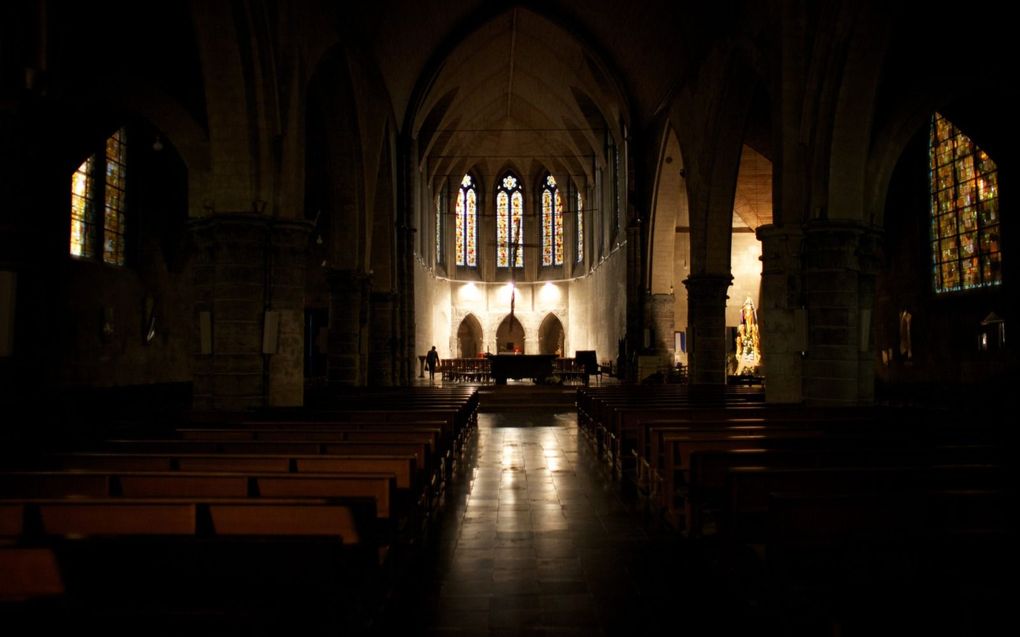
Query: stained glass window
x=580 y=227
x=101 y=177
x=552 y=223
x=509 y=222
x=965 y=244
x=467 y=223
x=113 y=217
x=439 y=228
x=82 y=211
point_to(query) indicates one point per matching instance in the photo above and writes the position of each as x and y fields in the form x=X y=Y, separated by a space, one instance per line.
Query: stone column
x=660 y=319
x=290 y=241
x=782 y=319
x=868 y=255
x=348 y=312
x=229 y=283
x=244 y=266
x=833 y=288
x=382 y=338
x=706 y=294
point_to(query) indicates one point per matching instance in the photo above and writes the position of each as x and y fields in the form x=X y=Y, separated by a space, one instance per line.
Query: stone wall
x=598 y=305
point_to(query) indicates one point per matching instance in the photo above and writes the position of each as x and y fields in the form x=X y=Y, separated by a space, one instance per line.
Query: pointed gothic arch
x=469 y=337
x=510 y=336
x=551 y=335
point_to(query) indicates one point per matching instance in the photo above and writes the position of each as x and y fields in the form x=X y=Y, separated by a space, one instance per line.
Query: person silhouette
x=432 y=361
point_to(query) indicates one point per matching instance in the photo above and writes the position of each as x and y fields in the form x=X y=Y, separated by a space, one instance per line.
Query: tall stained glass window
x=113 y=217
x=509 y=222
x=467 y=223
x=966 y=252
x=552 y=223
x=83 y=232
x=101 y=177
x=439 y=228
x=580 y=227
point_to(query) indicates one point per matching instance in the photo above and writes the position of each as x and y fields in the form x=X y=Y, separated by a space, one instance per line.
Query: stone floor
x=535 y=539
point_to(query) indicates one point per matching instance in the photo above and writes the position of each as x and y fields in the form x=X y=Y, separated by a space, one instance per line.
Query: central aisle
x=534 y=539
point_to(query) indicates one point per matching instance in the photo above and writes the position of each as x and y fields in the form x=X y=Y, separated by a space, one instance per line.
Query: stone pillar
x=244 y=266
x=348 y=312
x=782 y=318
x=382 y=339
x=833 y=286
x=660 y=319
x=289 y=258
x=706 y=294
x=868 y=256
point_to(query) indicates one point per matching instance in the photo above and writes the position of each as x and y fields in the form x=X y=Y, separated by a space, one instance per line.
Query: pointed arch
x=510 y=336
x=551 y=335
x=469 y=337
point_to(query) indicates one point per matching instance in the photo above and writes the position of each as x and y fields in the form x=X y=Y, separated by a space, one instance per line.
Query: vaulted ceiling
x=516 y=90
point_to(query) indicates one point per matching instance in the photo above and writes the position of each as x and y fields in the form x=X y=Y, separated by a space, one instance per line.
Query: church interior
x=719 y=293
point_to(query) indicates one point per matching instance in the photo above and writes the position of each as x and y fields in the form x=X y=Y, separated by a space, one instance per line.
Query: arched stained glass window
x=439 y=227
x=580 y=226
x=509 y=222
x=101 y=177
x=966 y=252
x=467 y=223
x=552 y=223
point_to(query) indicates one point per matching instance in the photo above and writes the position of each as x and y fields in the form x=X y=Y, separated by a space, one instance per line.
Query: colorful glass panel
x=552 y=223
x=98 y=204
x=113 y=217
x=82 y=205
x=460 y=231
x=547 y=226
x=439 y=229
x=471 y=226
x=966 y=252
x=509 y=222
x=580 y=227
x=517 y=228
x=467 y=223
x=558 y=231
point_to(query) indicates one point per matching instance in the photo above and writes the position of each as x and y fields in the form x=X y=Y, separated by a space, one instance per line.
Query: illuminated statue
x=748 y=348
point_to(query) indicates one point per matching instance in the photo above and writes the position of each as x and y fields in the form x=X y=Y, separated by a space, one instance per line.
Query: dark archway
x=510 y=336
x=469 y=337
x=551 y=336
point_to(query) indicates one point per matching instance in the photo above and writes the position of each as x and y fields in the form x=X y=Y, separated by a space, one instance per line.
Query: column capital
x=708 y=285
x=770 y=231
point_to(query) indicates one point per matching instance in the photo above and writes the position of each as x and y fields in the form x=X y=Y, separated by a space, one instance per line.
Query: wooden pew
x=306 y=560
x=28 y=573
x=750 y=488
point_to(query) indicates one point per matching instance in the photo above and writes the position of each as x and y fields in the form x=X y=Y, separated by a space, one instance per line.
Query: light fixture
x=158 y=144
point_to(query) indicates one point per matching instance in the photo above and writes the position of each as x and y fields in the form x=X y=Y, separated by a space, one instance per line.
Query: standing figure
x=432 y=361
x=748 y=349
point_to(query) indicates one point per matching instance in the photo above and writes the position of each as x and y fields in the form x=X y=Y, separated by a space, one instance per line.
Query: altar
x=537 y=367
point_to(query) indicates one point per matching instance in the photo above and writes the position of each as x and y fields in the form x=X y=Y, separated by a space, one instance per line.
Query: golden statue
x=748 y=350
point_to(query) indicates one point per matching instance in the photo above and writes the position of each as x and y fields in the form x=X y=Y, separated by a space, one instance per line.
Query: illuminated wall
x=490 y=304
x=745 y=266
x=432 y=312
x=598 y=308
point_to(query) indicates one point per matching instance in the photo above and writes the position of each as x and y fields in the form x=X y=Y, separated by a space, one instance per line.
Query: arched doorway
x=510 y=336
x=469 y=337
x=551 y=336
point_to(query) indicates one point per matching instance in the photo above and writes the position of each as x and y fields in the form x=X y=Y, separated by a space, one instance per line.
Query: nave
x=536 y=538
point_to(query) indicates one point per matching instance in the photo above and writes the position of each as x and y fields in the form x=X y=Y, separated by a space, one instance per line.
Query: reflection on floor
x=534 y=539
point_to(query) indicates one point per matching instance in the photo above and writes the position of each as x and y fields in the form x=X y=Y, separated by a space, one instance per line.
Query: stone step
x=511 y=397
